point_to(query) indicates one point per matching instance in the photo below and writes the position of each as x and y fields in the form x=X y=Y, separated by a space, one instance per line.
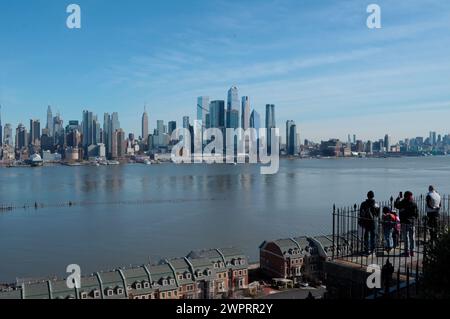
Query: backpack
x=366 y=215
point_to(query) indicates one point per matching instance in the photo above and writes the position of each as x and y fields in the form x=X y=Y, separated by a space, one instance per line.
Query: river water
x=133 y=214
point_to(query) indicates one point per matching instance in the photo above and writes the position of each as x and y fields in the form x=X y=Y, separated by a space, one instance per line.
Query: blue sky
x=315 y=60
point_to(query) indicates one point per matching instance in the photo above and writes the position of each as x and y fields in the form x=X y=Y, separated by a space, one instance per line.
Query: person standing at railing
x=433 y=212
x=409 y=213
x=389 y=223
x=397 y=229
x=369 y=213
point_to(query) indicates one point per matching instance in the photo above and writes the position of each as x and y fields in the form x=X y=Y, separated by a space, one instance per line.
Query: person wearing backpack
x=409 y=212
x=368 y=217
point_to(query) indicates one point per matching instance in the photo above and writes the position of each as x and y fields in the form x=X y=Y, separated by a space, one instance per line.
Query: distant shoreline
x=166 y=161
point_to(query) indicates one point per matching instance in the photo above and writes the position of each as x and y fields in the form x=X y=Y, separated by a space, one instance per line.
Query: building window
x=96 y=294
x=172 y=281
x=146 y=285
x=169 y=294
x=119 y=291
x=164 y=282
x=180 y=277
x=84 y=295
x=109 y=292
x=138 y=285
x=188 y=276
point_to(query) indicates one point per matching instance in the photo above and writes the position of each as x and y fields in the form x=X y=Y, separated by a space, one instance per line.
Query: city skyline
x=145 y=124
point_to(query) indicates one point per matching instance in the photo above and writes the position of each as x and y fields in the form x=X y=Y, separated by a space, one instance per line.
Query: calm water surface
x=135 y=213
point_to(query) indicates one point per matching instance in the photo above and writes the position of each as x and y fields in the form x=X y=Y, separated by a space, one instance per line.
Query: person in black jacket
x=369 y=213
x=408 y=217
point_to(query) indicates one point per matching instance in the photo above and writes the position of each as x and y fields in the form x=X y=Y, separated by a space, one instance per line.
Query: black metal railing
x=349 y=246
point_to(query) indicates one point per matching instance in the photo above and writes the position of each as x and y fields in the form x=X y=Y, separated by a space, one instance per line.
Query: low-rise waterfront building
x=209 y=274
x=298 y=259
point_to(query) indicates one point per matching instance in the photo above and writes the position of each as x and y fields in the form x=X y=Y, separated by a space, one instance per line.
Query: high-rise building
x=233 y=119
x=433 y=138
x=202 y=109
x=49 y=125
x=35 y=132
x=245 y=113
x=160 y=127
x=387 y=143
x=107 y=133
x=217 y=114
x=144 y=125
x=186 y=122
x=8 y=135
x=88 y=129
x=58 y=135
x=292 y=144
x=255 y=120
x=114 y=125
x=270 y=124
x=232 y=104
x=233 y=99
x=21 y=137
x=97 y=131
x=172 y=127
x=288 y=134
x=118 y=144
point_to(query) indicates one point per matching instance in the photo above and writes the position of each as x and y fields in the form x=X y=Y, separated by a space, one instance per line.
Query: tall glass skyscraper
x=217 y=114
x=35 y=132
x=245 y=113
x=107 y=138
x=186 y=122
x=233 y=99
x=255 y=120
x=291 y=137
x=288 y=132
x=8 y=137
x=172 y=127
x=202 y=109
x=270 y=124
x=88 y=129
x=21 y=137
x=49 y=125
x=233 y=117
x=232 y=104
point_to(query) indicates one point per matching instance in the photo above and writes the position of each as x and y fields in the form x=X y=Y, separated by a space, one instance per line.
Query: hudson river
x=131 y=214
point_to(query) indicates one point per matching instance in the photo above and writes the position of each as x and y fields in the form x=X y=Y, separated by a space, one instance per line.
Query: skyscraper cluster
x=93 y=138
